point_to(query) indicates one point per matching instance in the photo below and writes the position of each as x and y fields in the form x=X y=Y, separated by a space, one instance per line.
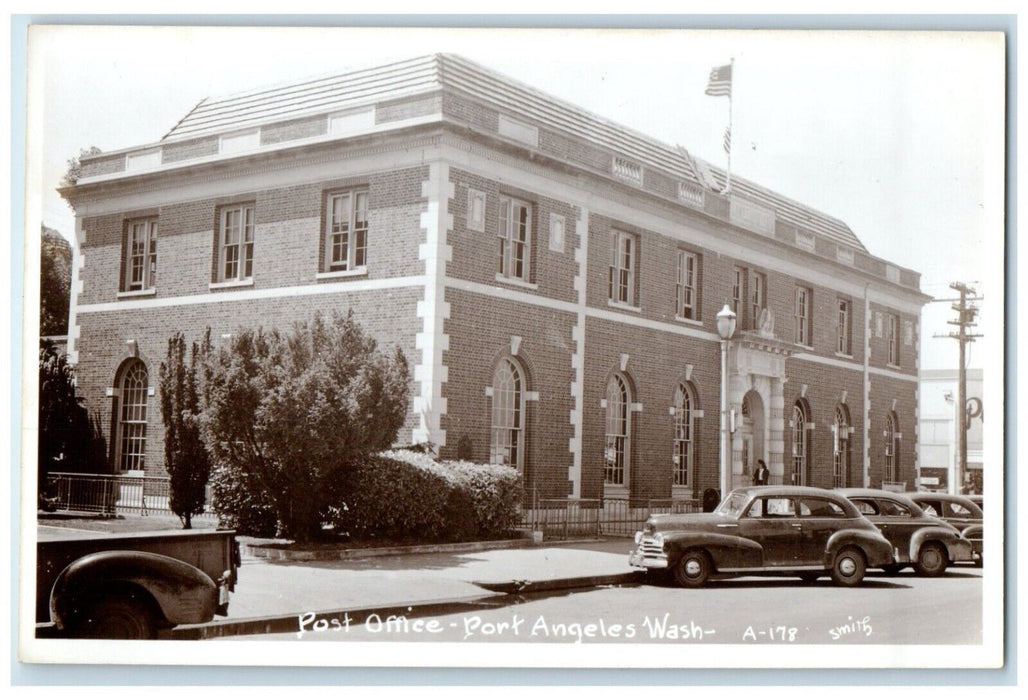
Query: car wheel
x=893 y=569
x=849 y=567
x=931 y=560
x=810 y=576
x=693 y=569
x=117 y=618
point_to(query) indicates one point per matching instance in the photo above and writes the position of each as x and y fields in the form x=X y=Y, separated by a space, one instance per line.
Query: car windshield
x=733 y=505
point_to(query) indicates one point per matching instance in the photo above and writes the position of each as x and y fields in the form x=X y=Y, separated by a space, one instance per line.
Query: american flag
x=720 y=82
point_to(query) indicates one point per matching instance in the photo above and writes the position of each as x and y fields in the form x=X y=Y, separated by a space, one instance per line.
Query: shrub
x=408 y=495
x=242 y=508
x=291 y=413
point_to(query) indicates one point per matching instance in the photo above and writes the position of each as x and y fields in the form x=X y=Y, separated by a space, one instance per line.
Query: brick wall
x=657 y=363
x=389 y=315
x=408 y=108
x=480 y=330
x=195 y=148
x=476 y=254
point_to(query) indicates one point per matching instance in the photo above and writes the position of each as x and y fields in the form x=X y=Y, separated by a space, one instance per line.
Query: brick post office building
x=552 y=277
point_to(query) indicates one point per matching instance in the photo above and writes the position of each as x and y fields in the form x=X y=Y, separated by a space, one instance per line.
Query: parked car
x=791 y=530
x=958 y=511
x=976 y=498
x=927 y=543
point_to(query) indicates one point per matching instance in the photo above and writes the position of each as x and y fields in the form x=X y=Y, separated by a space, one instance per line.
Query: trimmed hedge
x=408 y=495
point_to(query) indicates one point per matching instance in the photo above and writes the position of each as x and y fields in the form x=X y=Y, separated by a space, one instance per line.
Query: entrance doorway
x=754 y=429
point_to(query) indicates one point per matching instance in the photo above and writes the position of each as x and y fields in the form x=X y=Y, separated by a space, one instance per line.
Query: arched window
x=131 y=432
x=618 y=433
x=891 y=448
x=840 y=446
x=682 y=457
x=508 y=415
x=799 y=444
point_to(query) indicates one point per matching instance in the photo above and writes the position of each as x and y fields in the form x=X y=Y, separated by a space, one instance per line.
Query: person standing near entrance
x=760 y=476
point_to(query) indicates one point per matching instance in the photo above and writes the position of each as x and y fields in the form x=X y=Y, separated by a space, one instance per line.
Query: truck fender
x=876 y=548
x=181 y=593
x=947 y=537
x=727 y=551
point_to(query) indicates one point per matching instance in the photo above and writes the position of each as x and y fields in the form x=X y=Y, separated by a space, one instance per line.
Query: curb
x=505 y=593
x=273 y=553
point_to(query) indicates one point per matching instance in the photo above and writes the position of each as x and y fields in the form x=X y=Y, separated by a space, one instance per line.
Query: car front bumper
x=648 y=554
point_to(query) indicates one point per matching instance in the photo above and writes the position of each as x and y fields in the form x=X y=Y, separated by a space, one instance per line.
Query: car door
x=772 y=523
x=818 y=518
x=898 y=524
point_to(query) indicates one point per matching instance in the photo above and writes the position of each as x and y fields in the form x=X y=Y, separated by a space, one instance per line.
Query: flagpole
x=731 y=85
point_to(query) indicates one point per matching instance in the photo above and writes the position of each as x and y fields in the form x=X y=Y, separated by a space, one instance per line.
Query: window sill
x=615 y=491
x=806 y=347
x=515 y=282
x=690 y=321
x=892 y=366
x=844 y=355
x=232 y=284
x=336 y=274
x=624 y=307
x=152 y=291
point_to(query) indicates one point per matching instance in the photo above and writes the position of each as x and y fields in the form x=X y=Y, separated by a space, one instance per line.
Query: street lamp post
x=725 y=329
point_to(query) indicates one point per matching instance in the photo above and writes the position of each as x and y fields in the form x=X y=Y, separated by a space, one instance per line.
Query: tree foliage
x=54 y=283
x=69 y=440
x=74 y=172
x=185 y=455
x=290 y=413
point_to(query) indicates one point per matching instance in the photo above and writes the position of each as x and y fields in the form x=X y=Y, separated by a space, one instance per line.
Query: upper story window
x=758 y=297
x=515 y=238
x=346 y=231
x=686 y=296
x=802 y=315
x=235 y=243
x=140 y=256
x=739 y=295
x=625 y=251
x=844 y=338
x=892 y=330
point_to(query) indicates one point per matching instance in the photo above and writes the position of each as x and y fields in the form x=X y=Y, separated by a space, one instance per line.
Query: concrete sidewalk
x=270 y=596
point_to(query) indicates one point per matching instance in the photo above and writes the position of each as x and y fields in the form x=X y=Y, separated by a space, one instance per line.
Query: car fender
x=876 y=548
x=729 y=551
x=957 y=548
x=976 y=535
x=182 y=593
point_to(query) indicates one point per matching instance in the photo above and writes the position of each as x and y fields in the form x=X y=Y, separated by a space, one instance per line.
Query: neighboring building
x=937 y=433
x=553 y=278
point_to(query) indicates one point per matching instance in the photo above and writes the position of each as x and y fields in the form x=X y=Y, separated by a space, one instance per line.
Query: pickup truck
x=97 y=585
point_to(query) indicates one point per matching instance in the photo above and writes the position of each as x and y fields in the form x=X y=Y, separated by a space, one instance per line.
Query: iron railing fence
x=566 y=518
x=113 y=494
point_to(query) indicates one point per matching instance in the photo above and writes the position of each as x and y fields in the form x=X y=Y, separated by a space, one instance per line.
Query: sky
x=899 y=134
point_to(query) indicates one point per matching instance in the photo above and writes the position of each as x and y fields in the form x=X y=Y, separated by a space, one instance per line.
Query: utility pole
x=964 y=322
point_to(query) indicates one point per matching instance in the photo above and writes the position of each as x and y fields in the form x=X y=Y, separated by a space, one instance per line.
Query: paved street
x=902 y=609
